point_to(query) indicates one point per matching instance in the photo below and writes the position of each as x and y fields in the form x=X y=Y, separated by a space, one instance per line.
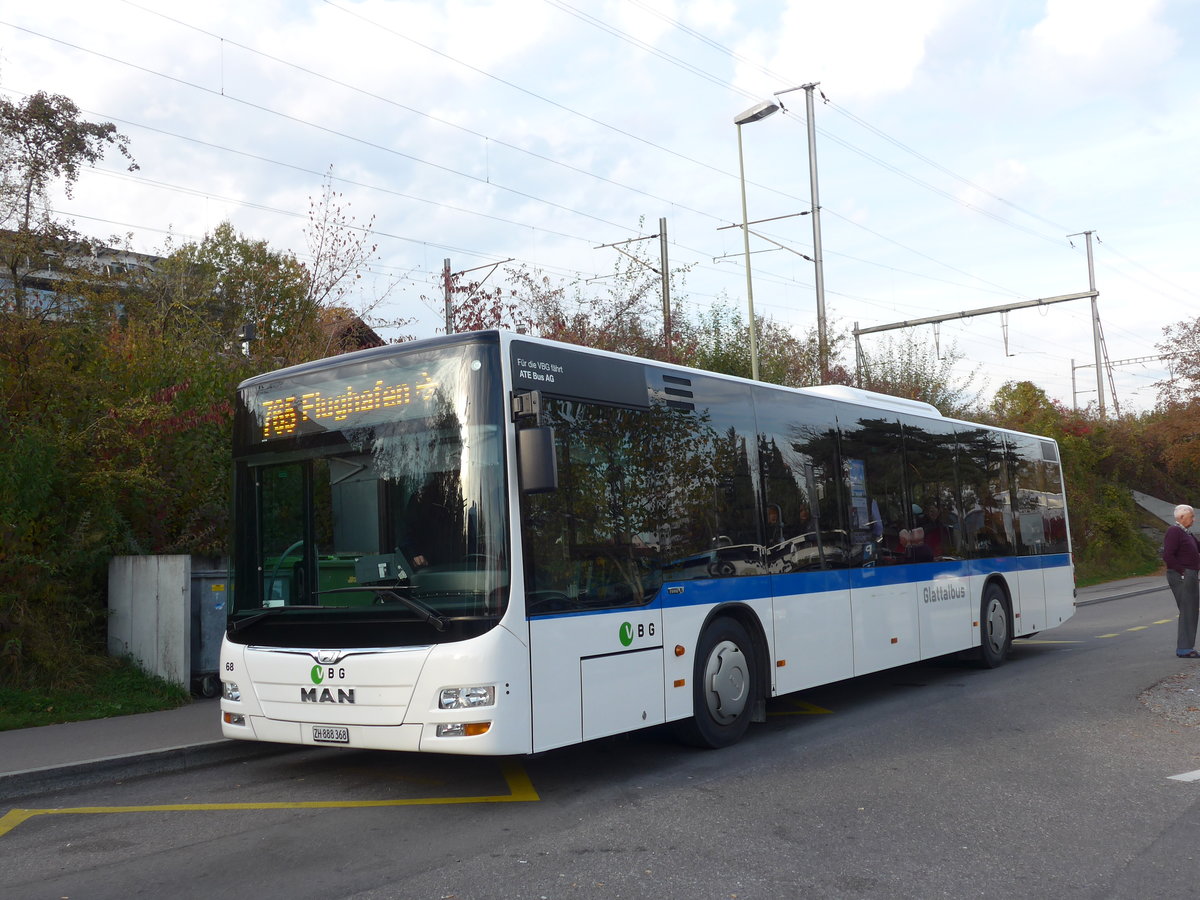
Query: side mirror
x=538 y=464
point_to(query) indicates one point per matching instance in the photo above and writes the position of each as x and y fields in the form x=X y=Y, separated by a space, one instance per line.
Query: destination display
x=287 y=409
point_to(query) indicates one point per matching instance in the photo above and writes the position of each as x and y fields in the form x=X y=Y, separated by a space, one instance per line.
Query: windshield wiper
x=427 y=614
x=238 y=624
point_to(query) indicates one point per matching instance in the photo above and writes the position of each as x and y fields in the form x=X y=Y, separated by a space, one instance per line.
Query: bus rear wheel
x=724 y=686
x=995 y=626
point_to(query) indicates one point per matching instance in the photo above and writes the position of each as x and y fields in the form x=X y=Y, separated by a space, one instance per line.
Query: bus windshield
x=370 y=501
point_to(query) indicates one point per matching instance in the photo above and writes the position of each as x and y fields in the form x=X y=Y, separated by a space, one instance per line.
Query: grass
x=1084 y=579
x=119 y=689
x=1131 y=563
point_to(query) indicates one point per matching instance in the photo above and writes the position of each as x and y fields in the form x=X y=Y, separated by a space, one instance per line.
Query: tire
x=210 y=685
x=995 y=626
x=725 y=686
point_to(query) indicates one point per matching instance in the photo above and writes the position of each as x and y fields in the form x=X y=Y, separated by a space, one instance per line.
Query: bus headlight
x=463 y=729
x=474 y=697
x=230 y=690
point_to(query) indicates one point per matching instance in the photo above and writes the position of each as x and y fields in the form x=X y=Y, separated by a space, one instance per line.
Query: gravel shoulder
x=1176 y=698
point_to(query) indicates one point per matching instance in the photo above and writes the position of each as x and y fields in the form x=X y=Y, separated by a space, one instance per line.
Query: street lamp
x=753 y=114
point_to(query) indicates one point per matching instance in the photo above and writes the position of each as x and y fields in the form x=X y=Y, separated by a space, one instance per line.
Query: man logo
x=310 y=695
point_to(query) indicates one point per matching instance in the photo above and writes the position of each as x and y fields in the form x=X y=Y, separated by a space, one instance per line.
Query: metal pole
x=822 y=343
x=857 y=357
x=746 y=246
x=968 y=313
x=446 y=289
x=666 y=283
x=1095 y=326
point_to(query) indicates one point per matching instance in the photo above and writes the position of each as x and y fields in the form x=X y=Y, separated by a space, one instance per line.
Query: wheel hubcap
x=727 y=681
x=997 y=625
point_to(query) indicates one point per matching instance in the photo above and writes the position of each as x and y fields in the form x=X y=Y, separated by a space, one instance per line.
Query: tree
x=1180 y=347
x=474 y=308
x=628 y=317
x=205 y=292
x=1101 y=459
x=340 y=251
x=1174 y=424
x=718 y=340
x=43 y=140
x=115 y=426
x=909 y=367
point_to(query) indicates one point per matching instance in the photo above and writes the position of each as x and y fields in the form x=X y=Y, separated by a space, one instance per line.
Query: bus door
x=884 y=609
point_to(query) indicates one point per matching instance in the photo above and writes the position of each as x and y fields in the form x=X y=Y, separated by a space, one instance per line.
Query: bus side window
x=804 y=528
x=873 y=484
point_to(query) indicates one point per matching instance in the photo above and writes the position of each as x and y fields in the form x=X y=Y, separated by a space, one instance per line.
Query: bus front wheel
x=995 y=626
x=724 y=686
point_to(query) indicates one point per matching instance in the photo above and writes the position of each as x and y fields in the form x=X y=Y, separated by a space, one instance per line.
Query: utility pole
x=447 y=290
x=822 y=342
x=448 y=278
x=1110 y=365
x=1095 y=325
x=666 y=284
x=818 y=257
x=662 y=271
x=1095 y=322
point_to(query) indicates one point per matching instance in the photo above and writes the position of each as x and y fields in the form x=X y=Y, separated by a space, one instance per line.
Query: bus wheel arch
x=728 y=680
x=995 y=623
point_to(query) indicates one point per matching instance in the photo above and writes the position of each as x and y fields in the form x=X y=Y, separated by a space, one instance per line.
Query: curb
x=28 y=782
x=1153 y=590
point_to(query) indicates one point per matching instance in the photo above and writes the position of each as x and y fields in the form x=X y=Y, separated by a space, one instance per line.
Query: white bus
x=494 y=544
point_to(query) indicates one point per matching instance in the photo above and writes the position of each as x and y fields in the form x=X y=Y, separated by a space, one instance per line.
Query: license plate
x=331 y=734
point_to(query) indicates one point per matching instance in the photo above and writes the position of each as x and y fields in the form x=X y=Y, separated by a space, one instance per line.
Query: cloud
x=868 y=48
x=1085 y=46
x=1007 y=179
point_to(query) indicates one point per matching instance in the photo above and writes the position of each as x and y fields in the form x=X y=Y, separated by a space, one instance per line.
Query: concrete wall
x=149 y=604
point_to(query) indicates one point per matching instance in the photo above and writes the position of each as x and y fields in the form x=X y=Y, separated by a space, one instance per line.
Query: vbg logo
x=318 y=674
x=629 y=631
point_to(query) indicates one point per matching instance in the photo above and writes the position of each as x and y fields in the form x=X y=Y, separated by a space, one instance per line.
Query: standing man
x=1181 y=553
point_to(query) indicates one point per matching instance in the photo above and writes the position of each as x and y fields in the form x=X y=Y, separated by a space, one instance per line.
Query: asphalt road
x=1046 y=777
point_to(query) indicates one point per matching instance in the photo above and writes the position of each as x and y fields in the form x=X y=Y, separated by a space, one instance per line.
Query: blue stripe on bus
x=715 y=591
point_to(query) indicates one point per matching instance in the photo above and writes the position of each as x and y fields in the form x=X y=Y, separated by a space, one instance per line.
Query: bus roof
x=872 y=398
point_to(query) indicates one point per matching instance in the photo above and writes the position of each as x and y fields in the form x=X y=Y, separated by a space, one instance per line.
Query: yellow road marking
x=520 y=788
x=1034 y=641
x=800 y=708
x=1136 y=628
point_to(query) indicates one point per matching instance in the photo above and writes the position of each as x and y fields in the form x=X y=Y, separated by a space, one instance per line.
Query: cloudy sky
x=959 y=144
